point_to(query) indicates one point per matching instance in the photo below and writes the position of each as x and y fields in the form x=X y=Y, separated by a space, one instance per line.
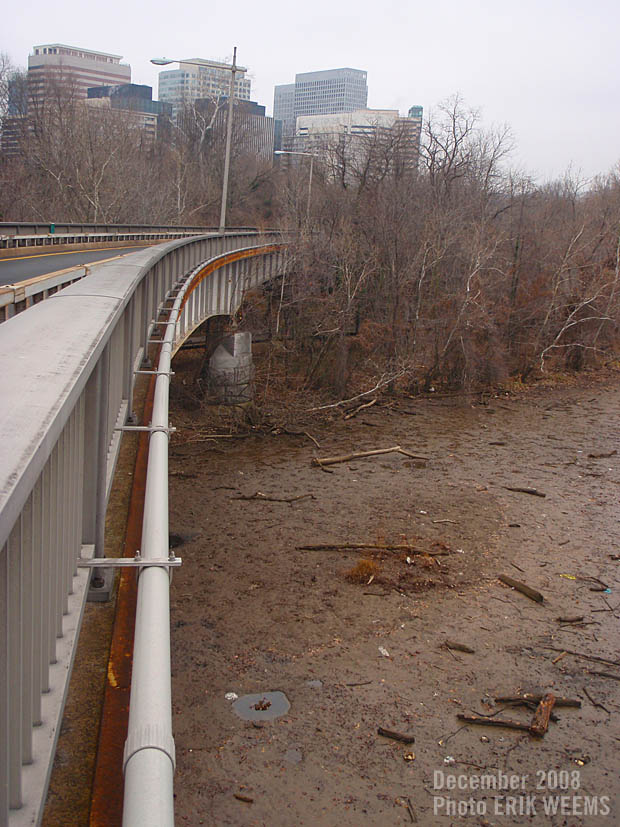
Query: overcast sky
x=548 y=69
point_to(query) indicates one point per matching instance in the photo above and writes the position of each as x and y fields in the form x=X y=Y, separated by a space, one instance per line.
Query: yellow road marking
x=72 y=253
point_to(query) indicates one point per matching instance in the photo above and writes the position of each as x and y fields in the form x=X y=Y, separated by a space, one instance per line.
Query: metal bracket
x=128 y=562
x=152 y=428
x=157 y=372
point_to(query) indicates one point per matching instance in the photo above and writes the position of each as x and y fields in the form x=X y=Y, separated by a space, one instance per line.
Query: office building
x=284 y=107
x=135 y=102
x=352 y=140
x=191 y=82
x=319 y=93
x=79 y=69
x=254 y=134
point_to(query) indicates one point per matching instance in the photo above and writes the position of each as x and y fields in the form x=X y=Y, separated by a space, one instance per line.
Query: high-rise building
x=284 y=107
x=80 y=68
x=135 y=102
x=362 y=139
x=319 y=93
x=199 y=78
x=253 y=133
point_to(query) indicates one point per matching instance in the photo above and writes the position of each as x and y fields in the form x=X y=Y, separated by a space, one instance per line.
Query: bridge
x=70 y=364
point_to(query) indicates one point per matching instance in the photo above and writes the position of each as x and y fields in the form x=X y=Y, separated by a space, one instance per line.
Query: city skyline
x=547 y=70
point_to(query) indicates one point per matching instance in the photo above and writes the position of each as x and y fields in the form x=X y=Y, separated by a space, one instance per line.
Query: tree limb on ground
x=534 y=491
x=355 y=412
x=258 y=495
x=282 y=429
x=532 y=697
x=380 y=384
x=370 y=546
x=521 y=587
x=361 y=454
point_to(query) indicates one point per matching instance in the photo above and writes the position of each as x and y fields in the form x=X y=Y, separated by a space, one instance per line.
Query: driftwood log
x=540 y=724
x=396 y=736
x=521 y=587
x=321 y=461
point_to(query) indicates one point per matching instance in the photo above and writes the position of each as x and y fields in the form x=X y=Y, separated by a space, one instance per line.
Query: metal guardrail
x=68 y=368
x=214 y=288
x=25 y=234
x=15 y=298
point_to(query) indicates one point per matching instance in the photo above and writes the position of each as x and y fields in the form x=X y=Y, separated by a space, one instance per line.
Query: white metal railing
x=15 y=298
x=214 y=288
x=37 y=234
x=68 y=369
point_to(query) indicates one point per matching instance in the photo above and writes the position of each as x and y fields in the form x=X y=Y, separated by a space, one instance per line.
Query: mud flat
x=384 y=644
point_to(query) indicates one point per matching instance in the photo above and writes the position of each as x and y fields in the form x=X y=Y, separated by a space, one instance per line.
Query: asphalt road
x=28 y=265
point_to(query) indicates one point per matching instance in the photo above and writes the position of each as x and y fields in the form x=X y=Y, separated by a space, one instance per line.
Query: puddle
x=262 y=707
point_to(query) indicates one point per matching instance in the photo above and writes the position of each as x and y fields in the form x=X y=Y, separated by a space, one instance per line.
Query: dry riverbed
x=253 y=613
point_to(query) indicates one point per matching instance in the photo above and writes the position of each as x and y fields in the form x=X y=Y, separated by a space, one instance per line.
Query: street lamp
x=310 y=155
x=233 y=69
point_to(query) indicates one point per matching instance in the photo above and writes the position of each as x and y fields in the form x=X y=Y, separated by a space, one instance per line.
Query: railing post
x=103 y=383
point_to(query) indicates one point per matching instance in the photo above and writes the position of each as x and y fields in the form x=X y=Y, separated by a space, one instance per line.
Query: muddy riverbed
x=253 y=613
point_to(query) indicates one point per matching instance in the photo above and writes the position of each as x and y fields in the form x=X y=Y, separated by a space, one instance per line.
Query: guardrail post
x=101 y=580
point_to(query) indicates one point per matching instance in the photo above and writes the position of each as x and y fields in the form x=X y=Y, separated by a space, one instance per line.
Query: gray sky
x=548 y=69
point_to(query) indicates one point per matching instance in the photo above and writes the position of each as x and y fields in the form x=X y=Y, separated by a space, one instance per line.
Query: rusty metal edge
x=107 y=790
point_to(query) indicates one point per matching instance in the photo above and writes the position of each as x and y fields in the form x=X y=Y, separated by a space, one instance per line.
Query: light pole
x=233 y=69
x=310 y=155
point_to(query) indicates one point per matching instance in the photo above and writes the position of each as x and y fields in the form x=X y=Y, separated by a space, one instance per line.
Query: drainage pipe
x=149 y=758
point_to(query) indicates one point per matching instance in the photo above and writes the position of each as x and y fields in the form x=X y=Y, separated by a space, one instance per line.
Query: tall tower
x=327 y=92
x=209 y=80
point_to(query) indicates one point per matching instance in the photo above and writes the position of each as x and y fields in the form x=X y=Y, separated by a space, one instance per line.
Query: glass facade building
x=191 y=82
x=326 y=92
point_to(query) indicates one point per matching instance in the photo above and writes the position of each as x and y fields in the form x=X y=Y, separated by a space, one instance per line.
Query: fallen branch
x=521 y=587
x=361 y=454
x=540 y=724
x=258 y=495
x=365 y=546
x=534 y=491
x=570 y=619
x=380 y=384
x=291 y=432
x=355 y=412
x=584 y=656
x=396 y=736
x=478 y=719
x=528 y=697
x=593 y=702
x=605 y=675
x=202 y=437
